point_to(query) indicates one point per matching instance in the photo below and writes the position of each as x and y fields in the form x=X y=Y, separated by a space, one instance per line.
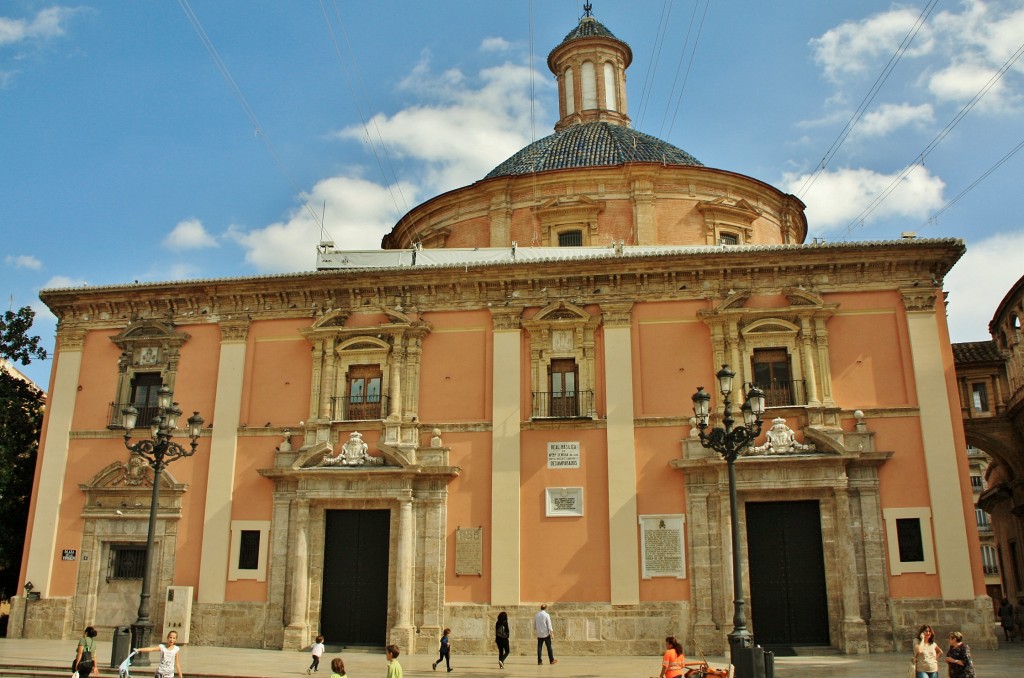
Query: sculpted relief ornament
x=781 y=440
x=353 y=453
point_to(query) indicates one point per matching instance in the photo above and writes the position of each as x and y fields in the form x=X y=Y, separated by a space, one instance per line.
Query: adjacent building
x=494 y=412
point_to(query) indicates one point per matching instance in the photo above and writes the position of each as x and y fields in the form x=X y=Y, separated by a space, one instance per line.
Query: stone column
x=624 y=547
x=295 y=634
x=864 y=482
x=53 y=461
x=808 y=354
x=327 y=388
x=705 y=631
x=402 y=631
x=853 y=629
x=952 y=550
x=395 y=385
x=824 y=362
x=220 y=484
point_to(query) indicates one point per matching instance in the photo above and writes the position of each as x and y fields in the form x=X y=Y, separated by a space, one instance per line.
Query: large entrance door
x=355 y=590
x=788 y=601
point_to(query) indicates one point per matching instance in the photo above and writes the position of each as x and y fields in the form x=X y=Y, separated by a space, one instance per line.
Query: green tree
x=21 y=416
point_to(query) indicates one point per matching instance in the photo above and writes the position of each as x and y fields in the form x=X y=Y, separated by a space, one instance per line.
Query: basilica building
x=494 y=411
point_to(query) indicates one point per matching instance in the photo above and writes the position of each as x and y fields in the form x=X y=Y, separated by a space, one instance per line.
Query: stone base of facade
x=234 y=625
x=972 y=617
x=44 y=618
x=580 y=628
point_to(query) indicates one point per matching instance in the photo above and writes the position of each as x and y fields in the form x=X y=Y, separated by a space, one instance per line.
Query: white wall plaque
x=564 y=455
x=662 y=546
x=564 y=502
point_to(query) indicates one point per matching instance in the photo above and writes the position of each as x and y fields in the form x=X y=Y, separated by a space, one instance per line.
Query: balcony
x=783 y=393
x=359 y=408
x=115 y=417
x=563 y=405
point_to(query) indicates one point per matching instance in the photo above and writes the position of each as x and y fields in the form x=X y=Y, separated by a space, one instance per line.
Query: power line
x=934 y=218
x=868 y=98
x=689 y=65
x=249 y=112
x=652 y=64
x=919 y=160
x=393 y=181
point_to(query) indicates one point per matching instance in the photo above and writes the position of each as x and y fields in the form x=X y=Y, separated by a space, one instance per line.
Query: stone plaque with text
x=469 y=550
x=662 y=546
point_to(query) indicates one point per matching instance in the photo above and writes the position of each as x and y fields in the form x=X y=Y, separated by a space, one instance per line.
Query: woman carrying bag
x=84 y=664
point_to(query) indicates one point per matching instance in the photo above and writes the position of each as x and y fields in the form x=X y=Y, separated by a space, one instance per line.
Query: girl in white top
x=926 y=653
x=169 y=664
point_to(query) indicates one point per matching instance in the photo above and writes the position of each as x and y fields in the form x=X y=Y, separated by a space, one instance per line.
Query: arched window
x=588 y=85
x=570 y=91
x=610 y=100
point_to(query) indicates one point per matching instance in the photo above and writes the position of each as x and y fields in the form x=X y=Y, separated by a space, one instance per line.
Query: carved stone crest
x=355 y=452
x=781 y=440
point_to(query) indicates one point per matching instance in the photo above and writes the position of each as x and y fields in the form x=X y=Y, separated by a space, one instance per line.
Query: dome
x=589 y=27
x=596 y=144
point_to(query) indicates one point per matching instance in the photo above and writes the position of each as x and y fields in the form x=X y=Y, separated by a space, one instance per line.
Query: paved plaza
x=201 y=661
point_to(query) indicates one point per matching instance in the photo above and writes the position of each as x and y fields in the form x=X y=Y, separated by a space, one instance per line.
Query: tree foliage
x=21 y=416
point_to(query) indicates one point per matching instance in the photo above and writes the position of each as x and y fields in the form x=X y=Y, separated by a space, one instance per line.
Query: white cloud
x=495 y=45
x=61 y=281
x=189 y=234
x=890 y=117
x=837 y=197
x=853 y=47
x=359 y=213
x=980 y=280
x=23 y=261
x=47 y=23
x=962 y=81
x=465 y=127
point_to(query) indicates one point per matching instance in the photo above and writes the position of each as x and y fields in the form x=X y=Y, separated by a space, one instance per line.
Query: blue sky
x=167 y=140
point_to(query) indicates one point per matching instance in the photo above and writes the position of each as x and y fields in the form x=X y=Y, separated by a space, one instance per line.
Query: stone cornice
x=667 y=277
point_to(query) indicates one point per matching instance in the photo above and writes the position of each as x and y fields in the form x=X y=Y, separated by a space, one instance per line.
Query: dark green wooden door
x=355 y=591
x=788 y=601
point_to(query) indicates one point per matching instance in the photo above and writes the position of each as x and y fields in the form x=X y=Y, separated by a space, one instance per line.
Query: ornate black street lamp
x=729 y=442
x=158 y=452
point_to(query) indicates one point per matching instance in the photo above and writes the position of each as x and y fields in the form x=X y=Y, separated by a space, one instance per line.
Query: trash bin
x=121 y=645
x=769 y=664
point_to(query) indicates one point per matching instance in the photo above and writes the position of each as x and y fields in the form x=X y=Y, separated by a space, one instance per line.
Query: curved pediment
x=331 y=319
x=135 y=473
x=770 y=326
x=801 y=297
x=562 y=310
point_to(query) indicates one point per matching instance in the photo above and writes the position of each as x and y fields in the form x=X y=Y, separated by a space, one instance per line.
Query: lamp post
x=158 y=451
x=729 y=441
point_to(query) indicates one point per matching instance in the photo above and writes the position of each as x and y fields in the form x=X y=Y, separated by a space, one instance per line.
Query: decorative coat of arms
x=781 y=440
x=353 y=453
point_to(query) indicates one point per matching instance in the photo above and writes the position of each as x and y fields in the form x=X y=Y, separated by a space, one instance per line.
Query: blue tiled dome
x=595 y=144
x=589 y=27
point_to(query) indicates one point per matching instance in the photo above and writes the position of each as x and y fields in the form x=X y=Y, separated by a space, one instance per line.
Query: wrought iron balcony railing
x=359 y=408
x=563 y=405
x=115 y=418
x=783 y=393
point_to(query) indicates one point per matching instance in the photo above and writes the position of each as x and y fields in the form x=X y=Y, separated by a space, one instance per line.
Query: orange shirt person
x=672 y=660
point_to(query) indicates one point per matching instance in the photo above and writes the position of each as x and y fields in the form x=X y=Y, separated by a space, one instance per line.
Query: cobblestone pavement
x=1005 y=662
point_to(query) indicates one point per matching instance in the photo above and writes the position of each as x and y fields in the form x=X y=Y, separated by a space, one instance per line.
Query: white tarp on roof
x=335 y=259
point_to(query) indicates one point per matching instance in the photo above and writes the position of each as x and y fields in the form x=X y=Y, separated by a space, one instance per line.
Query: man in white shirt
x=542 y=625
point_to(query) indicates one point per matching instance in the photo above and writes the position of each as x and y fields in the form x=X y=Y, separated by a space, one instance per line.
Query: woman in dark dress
x=501 y=638
x=959 y=657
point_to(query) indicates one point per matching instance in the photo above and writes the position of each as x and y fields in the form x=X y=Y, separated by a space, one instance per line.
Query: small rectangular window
x=728 y=239
x=249 y=550
x=977 y=483
x=127 y=561
x=908 y=535
x=979 y=397
x=570 y=239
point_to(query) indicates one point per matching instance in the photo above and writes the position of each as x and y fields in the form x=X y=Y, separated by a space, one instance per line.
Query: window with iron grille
x=728 y=239
x=908 y=535
x=977 y=483
x=249 y=550
x=127 y=561
x=570 y=239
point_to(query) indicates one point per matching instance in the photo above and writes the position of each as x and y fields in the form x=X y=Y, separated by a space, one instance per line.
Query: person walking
x=444 y=651
x=169 y=662
x=1018 y=617
x=317 y=650
x=338 y=668
x=501 y=638
x=542 y=625
x=961 y=665
x=926 y=653
x=394 y=668
x=85 y=664
x=1006 y=618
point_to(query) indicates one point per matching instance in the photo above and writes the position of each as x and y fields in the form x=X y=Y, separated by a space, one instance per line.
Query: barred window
x=908 y=534
x=570 y=239
x=127 y=561
x=249 y=550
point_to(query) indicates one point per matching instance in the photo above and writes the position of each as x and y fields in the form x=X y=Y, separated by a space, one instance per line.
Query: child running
x=445 y=651
x=317 y=650
x=338 y=668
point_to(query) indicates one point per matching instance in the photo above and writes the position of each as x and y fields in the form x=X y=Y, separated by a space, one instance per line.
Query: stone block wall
x=229 y=624
x=46 y=618
x=973 y=618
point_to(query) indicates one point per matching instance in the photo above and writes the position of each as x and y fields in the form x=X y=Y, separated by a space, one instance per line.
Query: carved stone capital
x=915 y=299
x=71 y=338
x=234 y=331
x=616 y=315
x=507 y=319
